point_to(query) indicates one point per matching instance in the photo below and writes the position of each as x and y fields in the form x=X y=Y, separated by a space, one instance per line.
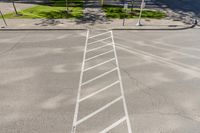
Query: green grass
x=57 y=10
x=71 y=3
x=118 y=12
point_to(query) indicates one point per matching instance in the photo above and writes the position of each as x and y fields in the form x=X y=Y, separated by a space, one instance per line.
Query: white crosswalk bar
x=98 y=41
x=99 y=110
x=99 y=76
x=99 y=91
x=88 y=59
x=100 y=64
x=97 y=48
x=100 y=34
x=113 y=125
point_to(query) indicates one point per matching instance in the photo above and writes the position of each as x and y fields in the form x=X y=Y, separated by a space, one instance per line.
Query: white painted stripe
x=79 y=88
x=113 y=125
x=98 y=111
x=97 y=48
x=167 y=49
x=100 y=34
x=99 y=76
x=99 y=41
x=122 y=88
x=99 y=91
x=176 y=46
x=162 y=58
x=172 y=64
x=88 y=59
x=100 y=64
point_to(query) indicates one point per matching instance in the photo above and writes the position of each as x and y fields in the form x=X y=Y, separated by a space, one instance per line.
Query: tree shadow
x=92 y=17
x=185 y=10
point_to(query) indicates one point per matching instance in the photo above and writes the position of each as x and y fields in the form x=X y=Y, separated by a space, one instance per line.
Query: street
x=127 y=81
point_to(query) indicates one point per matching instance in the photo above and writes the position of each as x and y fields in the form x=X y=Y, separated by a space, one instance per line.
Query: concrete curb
x=168 y=28
x=41 y=29
x=113 y=28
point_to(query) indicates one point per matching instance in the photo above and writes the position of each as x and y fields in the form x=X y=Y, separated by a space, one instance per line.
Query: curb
x=32 y=29
x=177 y=28
x=114 y=28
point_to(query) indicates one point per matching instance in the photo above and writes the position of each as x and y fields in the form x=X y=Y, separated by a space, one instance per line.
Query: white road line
x=171 y=45
x=97 y=48
x=88 y=59
x=100 y=64
x=98 y=111
x=79 y=88
x=122 y=88
x=100 y=34
x=98 y=41
x=93 y=79
x=99 y=91
x=168 y=49
x=113 y=125
x=164 y=59
x=162 y=62
x=175 y=51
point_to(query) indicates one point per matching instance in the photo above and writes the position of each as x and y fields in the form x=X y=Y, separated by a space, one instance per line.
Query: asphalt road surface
x=100 y=81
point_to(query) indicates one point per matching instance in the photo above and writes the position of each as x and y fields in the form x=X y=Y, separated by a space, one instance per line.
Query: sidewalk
x=6 y=7
x=77 y=24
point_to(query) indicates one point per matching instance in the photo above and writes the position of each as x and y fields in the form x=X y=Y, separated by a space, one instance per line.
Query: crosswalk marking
x=99 y=110
x=92 y=67
x=101 y=40
x=113 y=125
x=88 y=59
x=100 y=47
x=99 y=91
x=118 y=82
x=100 y=34
x=99 y=76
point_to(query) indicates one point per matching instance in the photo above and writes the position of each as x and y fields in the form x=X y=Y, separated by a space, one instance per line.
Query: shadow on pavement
x=184 y=10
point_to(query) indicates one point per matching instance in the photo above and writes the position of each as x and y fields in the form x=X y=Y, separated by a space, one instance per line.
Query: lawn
x=57 y=10
x=118 y=12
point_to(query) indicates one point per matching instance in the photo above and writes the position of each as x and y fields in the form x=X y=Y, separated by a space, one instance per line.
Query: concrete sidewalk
x=78 y=24
x=7 y=7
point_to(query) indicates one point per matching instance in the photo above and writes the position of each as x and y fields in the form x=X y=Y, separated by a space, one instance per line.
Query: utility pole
x=13 y=2
x=3 y=18
x=67 y=7
x=102 y=2
x=140 y=16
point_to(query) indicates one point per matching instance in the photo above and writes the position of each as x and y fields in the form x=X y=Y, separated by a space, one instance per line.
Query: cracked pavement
x=40 y=76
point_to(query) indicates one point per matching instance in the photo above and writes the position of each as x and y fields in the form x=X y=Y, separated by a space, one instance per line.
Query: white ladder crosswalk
x=92 y=40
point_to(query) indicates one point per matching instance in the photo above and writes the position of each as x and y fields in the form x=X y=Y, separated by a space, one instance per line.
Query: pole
x=125 y=11
x=3 y=18
x=67 y=8
x=140 y=16
x=102 y=2
x=13 y=2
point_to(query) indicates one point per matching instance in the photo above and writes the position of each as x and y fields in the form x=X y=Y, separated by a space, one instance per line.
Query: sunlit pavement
x=158 y=70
